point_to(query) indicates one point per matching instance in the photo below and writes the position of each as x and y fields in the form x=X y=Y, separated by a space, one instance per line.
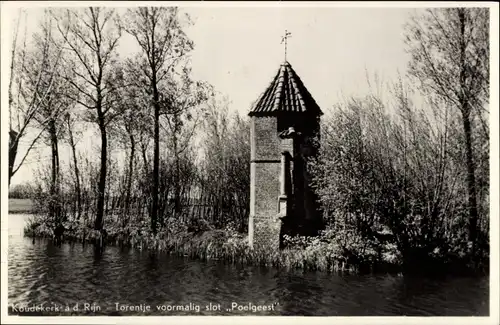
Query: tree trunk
x=54 y=188
x=177 y=182
x=466 y=111
x=77 y=173
x=471 y=182
x=144 y=158
x=156 y=137
x=13 y=144
x=102 y=176
x=129 y=178
x=156 y=158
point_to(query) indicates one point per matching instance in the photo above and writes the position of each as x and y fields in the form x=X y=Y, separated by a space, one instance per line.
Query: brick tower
x=284 y=133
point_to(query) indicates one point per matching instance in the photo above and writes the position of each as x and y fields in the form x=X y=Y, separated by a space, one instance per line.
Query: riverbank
x=20 y=206
x=209 y=244
x=322 y=253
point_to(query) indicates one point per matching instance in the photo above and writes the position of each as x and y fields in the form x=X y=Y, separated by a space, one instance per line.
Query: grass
x=20 y=206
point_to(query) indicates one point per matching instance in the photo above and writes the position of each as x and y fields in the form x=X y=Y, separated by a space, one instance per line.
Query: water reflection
x=43 y=273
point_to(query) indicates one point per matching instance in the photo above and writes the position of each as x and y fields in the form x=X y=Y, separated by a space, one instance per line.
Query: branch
x=78 y=87
x=438 y=80
x=32 y=110
x=27 y=151
x=13 y=56
x=190 y=135
x=80 y=102
x=76 y=51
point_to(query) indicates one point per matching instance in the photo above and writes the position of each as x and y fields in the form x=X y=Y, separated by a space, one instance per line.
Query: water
x=41 y=273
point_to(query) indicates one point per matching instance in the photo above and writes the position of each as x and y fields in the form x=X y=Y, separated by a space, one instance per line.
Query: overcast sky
x=239 y=50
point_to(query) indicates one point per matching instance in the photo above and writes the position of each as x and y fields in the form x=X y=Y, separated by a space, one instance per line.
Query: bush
x=21 y=191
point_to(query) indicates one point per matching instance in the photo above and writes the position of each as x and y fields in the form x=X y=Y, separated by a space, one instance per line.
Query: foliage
x=394 y=180
x=21 y=191
x=449 y=50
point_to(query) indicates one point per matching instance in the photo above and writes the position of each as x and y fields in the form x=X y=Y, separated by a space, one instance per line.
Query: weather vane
x=284 y=39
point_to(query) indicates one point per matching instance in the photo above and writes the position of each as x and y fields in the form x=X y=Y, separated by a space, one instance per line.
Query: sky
x=238 y=50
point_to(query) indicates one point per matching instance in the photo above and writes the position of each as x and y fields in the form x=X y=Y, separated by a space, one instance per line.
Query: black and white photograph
x=180 y=159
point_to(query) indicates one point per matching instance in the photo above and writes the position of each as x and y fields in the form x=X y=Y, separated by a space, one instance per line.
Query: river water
x=119 y=280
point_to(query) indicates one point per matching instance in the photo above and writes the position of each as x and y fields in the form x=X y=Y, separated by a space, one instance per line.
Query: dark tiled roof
x=286 y=93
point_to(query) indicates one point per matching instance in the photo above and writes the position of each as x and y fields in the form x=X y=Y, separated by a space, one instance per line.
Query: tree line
x=147 y=111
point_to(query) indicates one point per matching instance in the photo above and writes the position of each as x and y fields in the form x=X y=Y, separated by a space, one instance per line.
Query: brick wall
x=264 y=227
x=265 y=171
x=267 y=233
x=265 y=136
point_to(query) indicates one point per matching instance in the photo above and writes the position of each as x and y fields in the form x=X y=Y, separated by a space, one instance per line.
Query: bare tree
x=34 y=84
x=133 y=122
x=70 y=123
x=158 y=31
x=450 y=57
x=58 y=100
x=225 y=175
x=93 y=40
x=178 y=105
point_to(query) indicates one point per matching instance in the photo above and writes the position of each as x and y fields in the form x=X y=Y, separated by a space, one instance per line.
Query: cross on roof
x=284 y=39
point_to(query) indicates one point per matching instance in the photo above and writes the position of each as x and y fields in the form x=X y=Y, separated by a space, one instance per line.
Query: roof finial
x=284 y=39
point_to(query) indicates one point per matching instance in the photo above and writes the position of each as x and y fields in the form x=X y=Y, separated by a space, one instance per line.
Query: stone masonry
x=264 y=182
x=283 y=122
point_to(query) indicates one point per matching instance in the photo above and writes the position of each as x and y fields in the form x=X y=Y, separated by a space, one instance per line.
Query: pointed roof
x=286 y=93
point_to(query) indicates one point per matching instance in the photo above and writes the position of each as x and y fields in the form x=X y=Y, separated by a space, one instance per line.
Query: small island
x=143 y=154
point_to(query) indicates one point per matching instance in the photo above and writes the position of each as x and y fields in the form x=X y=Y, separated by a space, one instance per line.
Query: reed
x=226 y=245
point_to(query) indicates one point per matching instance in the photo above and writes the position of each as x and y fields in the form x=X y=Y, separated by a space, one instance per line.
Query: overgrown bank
x=227 y=245
x=326 y=252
